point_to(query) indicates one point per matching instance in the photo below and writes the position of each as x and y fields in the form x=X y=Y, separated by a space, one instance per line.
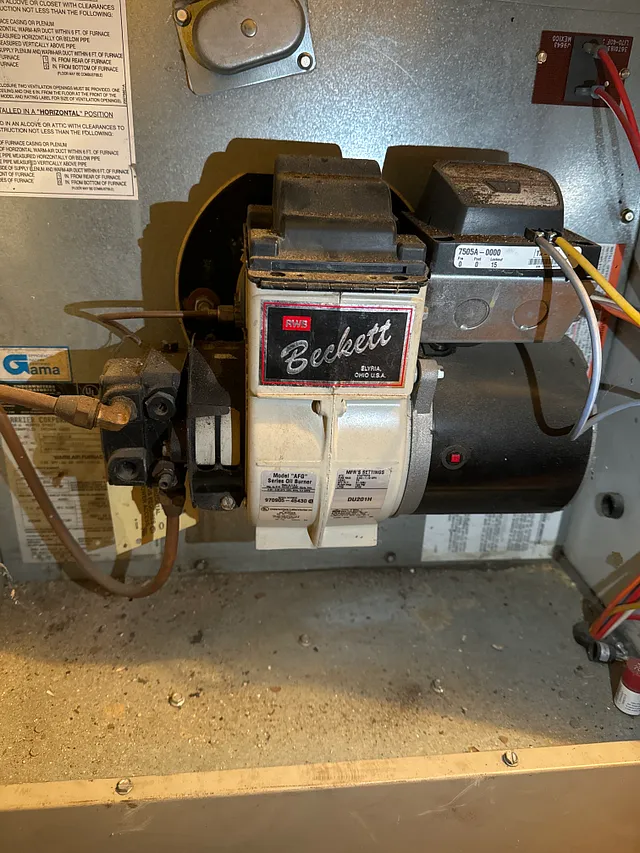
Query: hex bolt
x=249 y=28
x=305 y=61
x=511 y=759
x=627 y=215
x=625 y=73
x=160 y=406
x=176 y=700
x=167 y=481
x=541 y=57
x=182 y=17
x=227 y=503
x=124 y=786
x=164 y=473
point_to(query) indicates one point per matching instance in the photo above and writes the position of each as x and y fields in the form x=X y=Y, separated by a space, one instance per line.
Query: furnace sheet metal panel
x=389 y=78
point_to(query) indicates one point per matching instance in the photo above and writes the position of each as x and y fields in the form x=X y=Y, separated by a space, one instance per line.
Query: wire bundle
x=622 y=303
x=630 y=313
x=622 y=111
x=562 y=261
x=624 y=606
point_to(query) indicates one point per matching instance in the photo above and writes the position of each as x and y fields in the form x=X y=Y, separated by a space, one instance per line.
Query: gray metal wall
x=606 y=551
x=390 y=74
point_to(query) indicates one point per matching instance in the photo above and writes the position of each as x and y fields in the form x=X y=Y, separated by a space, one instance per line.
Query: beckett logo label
x=34 y=364
x=293 y=353
x=338 y=346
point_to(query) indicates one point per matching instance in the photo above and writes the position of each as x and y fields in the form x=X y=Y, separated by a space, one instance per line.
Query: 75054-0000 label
x=480 y=256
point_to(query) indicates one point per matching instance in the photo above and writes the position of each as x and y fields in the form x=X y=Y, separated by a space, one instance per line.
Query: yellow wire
x=624 y=608
x=615 y=611
x=608 y=288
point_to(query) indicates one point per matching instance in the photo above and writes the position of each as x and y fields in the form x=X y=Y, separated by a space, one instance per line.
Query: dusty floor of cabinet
x=294 y=668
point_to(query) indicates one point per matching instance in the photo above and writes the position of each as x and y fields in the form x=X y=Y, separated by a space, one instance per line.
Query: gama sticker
x=35 y=364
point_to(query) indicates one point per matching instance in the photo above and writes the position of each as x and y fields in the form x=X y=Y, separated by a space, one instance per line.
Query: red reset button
x=454 y=457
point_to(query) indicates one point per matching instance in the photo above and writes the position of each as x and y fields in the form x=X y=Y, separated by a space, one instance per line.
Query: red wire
x=615 y=312
x=634 y=617
x=619 y=86
x=628 y=122
x=631 y=598
x=629 y=594
x=634 y=138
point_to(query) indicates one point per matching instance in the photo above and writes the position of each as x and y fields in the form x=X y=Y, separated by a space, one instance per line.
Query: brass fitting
x=89 y=412
x=226 y=313
x=116 y=415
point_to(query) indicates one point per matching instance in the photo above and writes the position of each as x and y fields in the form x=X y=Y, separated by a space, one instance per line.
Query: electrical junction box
x=487 y=280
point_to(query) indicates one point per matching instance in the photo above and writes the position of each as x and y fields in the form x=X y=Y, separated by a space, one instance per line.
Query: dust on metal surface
x=347 y=674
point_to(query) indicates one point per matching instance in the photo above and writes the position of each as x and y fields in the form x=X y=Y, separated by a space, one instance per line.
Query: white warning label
x=69 y=462
x=359 y=491
x=521 y=536
x=491 y=257
x=287 y=496
x=607 y=257
x=66 y=127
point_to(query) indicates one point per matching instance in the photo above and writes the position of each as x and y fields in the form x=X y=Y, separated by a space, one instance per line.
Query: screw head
x=124 y=786
x=249 y=28
x=227 y=503
x=627 y=215
x=305 y=61
x=182 y=17
x=511 y=759
x=176 y=700
x=390 y=557
x=541 y=57
x=625 y=73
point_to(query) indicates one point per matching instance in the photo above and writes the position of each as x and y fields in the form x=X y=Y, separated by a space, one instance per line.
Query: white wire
x=618 y=623
x=594 y=332
x=604 y=300
x=595 y=419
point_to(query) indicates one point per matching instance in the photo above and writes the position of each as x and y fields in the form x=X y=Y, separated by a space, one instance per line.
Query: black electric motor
x=502 y=414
